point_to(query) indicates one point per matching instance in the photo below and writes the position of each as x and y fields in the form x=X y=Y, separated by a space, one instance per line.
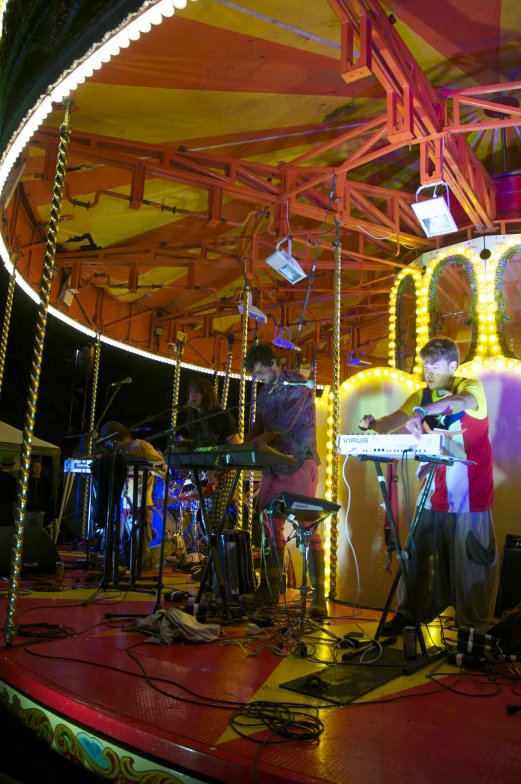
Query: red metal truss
x=267 y=187
x=414 y=110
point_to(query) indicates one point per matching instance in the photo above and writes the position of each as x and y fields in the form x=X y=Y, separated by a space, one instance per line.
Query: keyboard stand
x=212 y=536
x=402 y=554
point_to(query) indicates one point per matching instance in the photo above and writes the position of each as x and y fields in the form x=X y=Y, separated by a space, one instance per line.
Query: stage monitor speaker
x=38 y=553
x=509 y=588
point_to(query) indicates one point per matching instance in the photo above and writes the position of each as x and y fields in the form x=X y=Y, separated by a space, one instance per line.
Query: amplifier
x=509 y=588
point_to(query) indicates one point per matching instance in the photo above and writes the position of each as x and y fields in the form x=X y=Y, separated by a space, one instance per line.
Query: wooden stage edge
x=132 y=711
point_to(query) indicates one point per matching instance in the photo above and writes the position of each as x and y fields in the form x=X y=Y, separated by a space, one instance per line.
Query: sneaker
x=396 y=626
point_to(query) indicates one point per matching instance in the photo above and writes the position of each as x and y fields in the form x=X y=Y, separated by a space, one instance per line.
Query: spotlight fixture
x=434 y=214
x=353 y=360
x=283 y=262
x=282 y=342
x=253 y=312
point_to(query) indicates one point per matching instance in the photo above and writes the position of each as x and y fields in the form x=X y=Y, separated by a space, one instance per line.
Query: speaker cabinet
x=38 y=553
x=509 y=588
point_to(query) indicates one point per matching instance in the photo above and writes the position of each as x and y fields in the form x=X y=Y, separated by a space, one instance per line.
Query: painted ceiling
x=260 y=82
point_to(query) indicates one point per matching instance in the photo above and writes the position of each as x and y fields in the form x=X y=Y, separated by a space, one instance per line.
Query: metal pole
x=7 y=322
x=337 y=300
x=34 y=385
x=242 y=386
x=253 y=412
x=91 y=435
x=177 y=382
x=226 y=382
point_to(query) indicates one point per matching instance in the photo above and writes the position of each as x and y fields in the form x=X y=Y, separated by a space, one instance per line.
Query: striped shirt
x=461 y=488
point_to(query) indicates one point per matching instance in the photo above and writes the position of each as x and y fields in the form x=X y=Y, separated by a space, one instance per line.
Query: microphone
x=122 y=381
x=182 y=408
x=309 y=384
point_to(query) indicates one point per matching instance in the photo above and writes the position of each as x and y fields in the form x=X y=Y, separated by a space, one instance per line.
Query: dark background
x=63 y=409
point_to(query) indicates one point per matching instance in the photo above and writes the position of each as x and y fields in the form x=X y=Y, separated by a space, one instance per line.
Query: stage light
x=282 y=342
x=253 y=312
x=434 y=214
x=355 y=361
x=283 y=262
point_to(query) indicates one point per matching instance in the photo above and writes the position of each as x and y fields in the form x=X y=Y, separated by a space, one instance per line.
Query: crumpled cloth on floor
x=168 y=626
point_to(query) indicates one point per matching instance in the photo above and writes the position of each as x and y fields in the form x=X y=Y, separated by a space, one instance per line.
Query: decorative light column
x=7 y=322
x=36 y=367
x=242 y=386
x=253 y=411
x=333 y=420
x=226 y=382
x=92 y=435
x=177 y=381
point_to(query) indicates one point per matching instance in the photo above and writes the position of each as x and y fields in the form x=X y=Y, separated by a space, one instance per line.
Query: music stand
x=315 y=511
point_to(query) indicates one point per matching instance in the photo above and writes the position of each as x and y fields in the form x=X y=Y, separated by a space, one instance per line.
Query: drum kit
x=183 y=519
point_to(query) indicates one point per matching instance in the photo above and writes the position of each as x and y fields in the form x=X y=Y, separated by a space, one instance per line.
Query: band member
x=126 y=444
x=38 y=495
x=453 y=559
x=212 y=430
x=285 y=419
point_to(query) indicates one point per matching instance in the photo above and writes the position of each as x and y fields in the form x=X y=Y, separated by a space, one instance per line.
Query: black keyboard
x=241 y=456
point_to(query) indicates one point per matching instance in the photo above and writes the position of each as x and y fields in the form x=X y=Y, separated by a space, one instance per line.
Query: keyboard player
x=285 y=420
x=126 y=444
x=454 y=542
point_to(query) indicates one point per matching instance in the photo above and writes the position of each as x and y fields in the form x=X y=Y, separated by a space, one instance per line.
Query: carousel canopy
x=225 y=128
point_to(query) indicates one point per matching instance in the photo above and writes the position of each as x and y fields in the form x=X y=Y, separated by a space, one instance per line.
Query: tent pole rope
x=36 y=367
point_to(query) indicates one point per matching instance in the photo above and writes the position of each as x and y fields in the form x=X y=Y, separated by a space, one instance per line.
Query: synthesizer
x=246 y=456
x=396 y=446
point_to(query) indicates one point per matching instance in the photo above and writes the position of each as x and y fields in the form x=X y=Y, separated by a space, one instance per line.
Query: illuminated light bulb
x=144 y=24
x=330 y=420
x=113 y=46
x=361 y=376
x=402 y=379
x=377 y=372
x=330 y=434
x=495 y=348
x=329 y=445
x=408 y=382
x=394 y=374
x=331 y=395
x=510 y=363
x=351 y=380
x=329 y=470
x=486 y=363
x=155 y=16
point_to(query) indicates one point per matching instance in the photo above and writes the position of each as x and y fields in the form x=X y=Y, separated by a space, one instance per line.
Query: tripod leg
x=317 y=573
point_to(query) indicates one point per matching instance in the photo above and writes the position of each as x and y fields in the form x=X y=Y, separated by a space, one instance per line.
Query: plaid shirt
x=289 y=411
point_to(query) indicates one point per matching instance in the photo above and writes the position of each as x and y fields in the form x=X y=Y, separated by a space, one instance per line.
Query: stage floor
x=139 y=712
